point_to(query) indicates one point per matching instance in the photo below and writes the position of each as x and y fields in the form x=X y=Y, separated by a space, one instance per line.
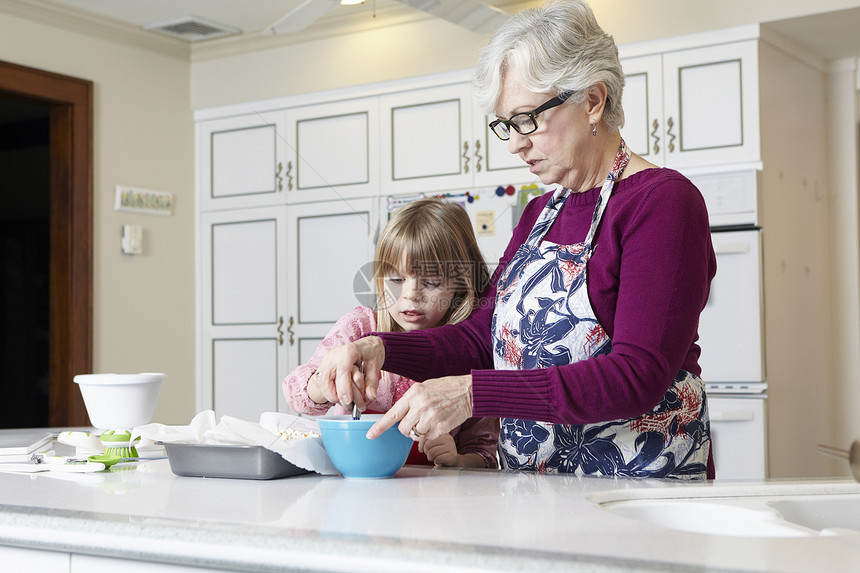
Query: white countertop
x=422 y=519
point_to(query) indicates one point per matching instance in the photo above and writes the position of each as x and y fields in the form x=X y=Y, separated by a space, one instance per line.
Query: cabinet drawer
x=738 y=434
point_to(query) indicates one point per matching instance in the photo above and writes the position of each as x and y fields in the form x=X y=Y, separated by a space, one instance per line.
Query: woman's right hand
x=350 y=373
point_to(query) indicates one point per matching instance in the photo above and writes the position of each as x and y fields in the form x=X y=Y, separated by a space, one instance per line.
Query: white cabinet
x=643 y=107
x=243 y=311
x=241 y=161
x=425 y=139
x=301 y=154
x=333 y=150
x=329 y=265
x=738 y=437
x=274 y=281
x=694 y=108
x=435 y=139
x=14 y=559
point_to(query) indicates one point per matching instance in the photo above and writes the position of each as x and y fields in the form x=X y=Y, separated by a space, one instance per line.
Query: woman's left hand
x=429 y=409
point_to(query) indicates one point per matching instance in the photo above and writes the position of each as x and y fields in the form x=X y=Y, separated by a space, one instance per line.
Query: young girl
x=428 y=272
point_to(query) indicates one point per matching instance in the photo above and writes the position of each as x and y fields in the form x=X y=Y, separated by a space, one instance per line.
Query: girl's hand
x=442 y=451
x=429 y=409
x=350 y=373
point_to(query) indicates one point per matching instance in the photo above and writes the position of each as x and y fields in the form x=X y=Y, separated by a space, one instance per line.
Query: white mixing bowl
x=120 y=401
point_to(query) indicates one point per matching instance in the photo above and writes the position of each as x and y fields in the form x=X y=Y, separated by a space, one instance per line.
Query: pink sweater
x=648 y=281
x=475 y=435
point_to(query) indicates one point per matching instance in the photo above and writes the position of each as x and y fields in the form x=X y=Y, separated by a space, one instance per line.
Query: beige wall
x=407 y=50
x=143 y=305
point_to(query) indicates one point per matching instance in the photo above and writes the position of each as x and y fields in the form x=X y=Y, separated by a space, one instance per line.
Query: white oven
x=731 y=328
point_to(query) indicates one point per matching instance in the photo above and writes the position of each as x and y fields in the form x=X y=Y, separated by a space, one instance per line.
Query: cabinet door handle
x=280 y=331
x=478 y=156
x=656 y=137
x=290 y=331
x=278 y=177
x=466 y=157
x=289 y=175
x=671 y=135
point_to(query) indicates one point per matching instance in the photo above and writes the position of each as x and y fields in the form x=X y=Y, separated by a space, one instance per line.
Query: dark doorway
x=25 y=252
x=46 y=249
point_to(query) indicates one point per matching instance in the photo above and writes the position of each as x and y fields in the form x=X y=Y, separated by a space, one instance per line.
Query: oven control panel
x=731 y=197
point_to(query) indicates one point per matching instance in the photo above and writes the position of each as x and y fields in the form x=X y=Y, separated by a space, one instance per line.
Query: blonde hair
x=556 y=48
x=431 y=237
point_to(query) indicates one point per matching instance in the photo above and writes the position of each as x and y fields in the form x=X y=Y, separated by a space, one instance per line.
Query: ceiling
x=249 y=16
x=253 y=17
x=830 y=35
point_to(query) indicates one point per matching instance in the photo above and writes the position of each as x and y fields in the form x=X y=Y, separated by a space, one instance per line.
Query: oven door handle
x=734 y=416
x=731 y=248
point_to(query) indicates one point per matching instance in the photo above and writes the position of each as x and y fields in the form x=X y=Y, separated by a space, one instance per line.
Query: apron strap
x=622 y=158
x=554 y=205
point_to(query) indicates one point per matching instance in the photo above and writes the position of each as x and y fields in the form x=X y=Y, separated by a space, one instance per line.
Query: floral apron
x=543 y=317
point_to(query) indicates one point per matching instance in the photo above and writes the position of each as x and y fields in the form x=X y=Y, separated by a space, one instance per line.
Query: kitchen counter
x=422 y=519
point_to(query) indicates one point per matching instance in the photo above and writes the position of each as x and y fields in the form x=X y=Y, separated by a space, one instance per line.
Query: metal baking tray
x=224 y=461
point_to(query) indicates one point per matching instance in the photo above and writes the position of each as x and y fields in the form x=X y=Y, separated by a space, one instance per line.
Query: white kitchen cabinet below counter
x=14 y=559
x=423 y=519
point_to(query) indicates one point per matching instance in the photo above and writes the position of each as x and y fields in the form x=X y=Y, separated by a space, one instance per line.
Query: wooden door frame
x=71 y=198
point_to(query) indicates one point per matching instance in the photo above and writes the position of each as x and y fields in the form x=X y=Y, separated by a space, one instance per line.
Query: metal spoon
x=852 y=455
x=356 y=413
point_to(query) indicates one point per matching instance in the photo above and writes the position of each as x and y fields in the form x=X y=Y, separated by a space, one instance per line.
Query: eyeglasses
x=526 y=122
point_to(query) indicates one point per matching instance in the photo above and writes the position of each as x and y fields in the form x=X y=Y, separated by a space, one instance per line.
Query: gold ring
x=415 y=432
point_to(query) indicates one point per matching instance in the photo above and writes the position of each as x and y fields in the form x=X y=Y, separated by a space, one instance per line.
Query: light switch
x=132 y=239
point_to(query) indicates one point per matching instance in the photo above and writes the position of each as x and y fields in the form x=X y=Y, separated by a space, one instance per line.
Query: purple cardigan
x=648 y=280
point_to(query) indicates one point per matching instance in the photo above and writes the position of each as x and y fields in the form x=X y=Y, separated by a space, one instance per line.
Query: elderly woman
x=586 y=346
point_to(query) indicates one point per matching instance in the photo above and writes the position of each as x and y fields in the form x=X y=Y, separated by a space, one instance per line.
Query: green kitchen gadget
x=119 y=444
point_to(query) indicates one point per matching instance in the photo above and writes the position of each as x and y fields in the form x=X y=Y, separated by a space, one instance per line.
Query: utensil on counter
x=112 y=460
x=54 y=464
x=119 y=444
x=852 y=455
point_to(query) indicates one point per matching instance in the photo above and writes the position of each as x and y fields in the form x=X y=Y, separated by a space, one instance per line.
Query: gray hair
x=556 y=48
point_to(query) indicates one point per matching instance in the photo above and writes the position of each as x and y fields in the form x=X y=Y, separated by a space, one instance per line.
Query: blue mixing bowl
x=354 y=455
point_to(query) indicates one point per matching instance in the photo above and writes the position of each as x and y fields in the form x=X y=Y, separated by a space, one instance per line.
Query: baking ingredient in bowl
x=291 y=434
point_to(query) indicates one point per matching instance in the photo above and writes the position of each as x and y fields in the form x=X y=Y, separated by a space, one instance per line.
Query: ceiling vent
x=192 y=28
